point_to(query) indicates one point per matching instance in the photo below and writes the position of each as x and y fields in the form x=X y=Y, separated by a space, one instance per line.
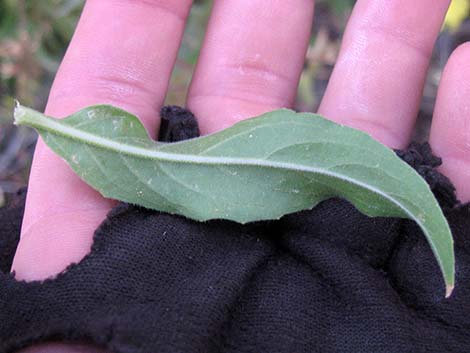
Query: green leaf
x=261 y=168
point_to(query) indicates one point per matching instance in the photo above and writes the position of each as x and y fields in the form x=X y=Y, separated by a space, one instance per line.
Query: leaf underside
x=259 y=169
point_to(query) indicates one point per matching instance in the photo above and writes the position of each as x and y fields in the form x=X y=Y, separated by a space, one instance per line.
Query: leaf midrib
x=55 y=127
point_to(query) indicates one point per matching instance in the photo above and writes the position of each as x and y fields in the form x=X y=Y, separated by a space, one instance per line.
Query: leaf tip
x=18 y=113
x=449 y=290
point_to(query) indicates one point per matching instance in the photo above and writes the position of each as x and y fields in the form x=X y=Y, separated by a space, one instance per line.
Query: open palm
x=123 y=54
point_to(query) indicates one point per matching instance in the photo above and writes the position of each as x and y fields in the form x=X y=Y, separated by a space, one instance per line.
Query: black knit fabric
x=10 y=226
x=177 y=124
x=325 y=280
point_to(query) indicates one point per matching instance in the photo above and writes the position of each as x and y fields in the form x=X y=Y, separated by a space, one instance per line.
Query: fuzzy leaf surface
x=261 y=168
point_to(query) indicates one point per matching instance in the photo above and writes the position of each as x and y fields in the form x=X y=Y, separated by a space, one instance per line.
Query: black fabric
x=420 y=157
x=177 y=124
x=325 y=280
x=10 y=226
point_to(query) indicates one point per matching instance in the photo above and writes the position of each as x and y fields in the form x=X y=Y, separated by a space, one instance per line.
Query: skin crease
x=121 y=55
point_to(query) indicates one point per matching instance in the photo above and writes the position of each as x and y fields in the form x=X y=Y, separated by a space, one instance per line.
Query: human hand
x=123 y=54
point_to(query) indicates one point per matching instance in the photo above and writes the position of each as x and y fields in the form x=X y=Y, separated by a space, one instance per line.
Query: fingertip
x=459 y=55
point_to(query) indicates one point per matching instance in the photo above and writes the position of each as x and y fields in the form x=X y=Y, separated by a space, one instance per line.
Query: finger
x=250 y=61
x=450 y=130
x=377 y=82
x=122 y=53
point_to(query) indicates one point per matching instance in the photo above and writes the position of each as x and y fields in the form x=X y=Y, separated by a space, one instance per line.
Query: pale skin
x=123 y=53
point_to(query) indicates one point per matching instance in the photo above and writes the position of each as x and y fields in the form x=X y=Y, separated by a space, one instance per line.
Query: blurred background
x=34 y=35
